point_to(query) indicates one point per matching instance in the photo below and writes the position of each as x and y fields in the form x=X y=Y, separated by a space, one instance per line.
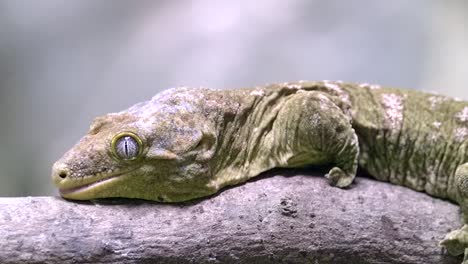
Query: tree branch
x=299 y=219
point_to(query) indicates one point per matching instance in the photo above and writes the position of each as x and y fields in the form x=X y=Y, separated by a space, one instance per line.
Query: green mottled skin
x=196 y=141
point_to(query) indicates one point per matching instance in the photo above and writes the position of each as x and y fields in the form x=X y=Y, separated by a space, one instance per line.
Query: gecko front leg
x=456 y=242
x=320 y=132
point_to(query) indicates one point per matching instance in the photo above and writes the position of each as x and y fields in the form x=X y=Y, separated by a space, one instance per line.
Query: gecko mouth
x=91 y=185
x=65 y=191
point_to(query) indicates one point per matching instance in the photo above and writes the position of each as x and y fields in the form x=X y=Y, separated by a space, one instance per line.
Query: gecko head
x=161 y=155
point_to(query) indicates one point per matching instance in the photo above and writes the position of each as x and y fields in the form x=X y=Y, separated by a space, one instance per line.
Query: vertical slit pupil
x=126 y=147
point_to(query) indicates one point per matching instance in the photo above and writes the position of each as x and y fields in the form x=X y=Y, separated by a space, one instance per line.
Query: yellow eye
x=127 y=146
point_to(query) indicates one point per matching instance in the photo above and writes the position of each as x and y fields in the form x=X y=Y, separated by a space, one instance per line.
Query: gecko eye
x=127 y=146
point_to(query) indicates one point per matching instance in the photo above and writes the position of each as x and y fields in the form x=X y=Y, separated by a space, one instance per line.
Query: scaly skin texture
x=186 y=143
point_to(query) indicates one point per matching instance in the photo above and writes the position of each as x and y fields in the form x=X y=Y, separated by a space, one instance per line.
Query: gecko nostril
x=63 y=174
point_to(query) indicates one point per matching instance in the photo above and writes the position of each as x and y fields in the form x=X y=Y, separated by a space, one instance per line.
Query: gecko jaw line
x=76 y=189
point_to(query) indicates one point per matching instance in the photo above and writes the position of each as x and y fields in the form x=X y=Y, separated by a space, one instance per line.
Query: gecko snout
x=60 y=171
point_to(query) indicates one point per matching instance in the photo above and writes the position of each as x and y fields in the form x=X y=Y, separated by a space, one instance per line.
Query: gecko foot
x=456 y=242
x=337 y=177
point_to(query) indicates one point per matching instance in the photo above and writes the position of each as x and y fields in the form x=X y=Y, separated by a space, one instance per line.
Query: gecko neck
x=247 y=145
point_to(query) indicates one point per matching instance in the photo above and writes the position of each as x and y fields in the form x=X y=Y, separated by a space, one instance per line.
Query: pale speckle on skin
x=435 y=100
x=434 y=137
x=315 y=119
x=212 y=102
x=322 y=97
x=294 y=86
x=337 y=89
x=323 y=101
x=371 y=86
x=463 y=115
x=461 y=133
x=394 y=109
x=257 y=93
x=333 y=86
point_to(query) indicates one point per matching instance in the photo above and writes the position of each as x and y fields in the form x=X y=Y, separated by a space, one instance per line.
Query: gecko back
x=410 y=138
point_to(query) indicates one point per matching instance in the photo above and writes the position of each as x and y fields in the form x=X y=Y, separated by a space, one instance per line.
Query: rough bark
x=275 y=219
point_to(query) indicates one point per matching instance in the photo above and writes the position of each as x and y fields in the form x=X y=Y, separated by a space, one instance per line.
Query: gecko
x=187 y=143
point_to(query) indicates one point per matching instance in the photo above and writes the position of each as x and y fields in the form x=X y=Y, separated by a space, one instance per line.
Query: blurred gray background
x=64 y=62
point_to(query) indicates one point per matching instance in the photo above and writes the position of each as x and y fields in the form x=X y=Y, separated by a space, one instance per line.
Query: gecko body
x=187 y=143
